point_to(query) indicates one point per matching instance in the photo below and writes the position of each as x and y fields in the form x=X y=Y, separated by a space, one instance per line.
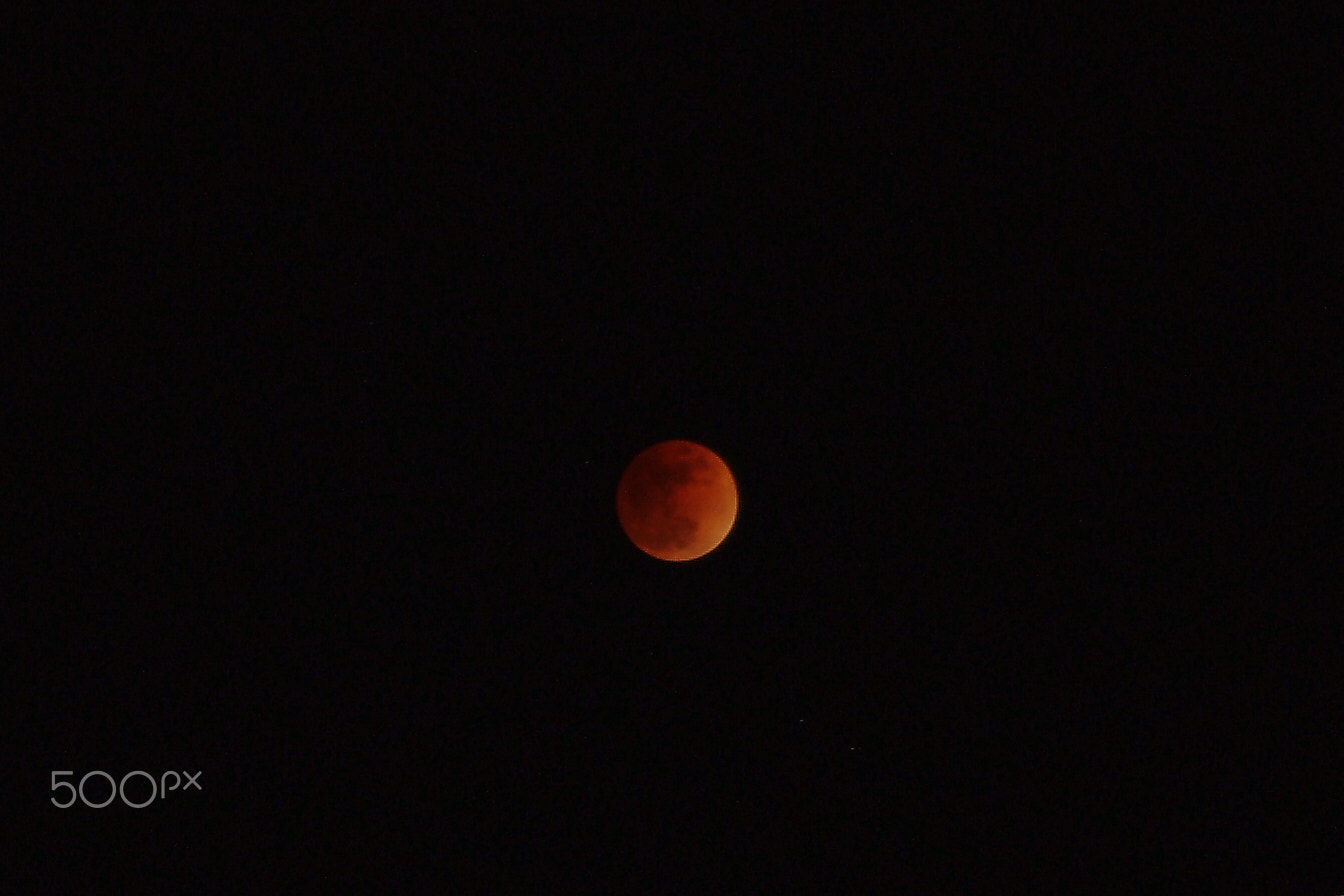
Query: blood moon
x=677 y=500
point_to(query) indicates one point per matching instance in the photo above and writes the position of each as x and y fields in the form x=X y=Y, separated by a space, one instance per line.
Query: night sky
x=334 y=334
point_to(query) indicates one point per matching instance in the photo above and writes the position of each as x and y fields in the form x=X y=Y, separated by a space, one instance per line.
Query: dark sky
x=334 y=335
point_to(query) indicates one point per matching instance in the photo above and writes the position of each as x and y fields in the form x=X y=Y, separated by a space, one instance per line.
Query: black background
x=334 y=334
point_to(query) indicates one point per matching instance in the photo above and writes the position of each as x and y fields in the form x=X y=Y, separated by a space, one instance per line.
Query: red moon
x=677 y=500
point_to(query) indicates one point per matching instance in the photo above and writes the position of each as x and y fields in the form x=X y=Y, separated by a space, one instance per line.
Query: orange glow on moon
x=677 y=500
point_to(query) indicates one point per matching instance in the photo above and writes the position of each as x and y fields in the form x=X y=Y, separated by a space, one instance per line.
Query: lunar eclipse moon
x=677 y=500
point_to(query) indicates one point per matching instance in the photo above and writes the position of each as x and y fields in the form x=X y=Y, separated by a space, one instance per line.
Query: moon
x=677 y=500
